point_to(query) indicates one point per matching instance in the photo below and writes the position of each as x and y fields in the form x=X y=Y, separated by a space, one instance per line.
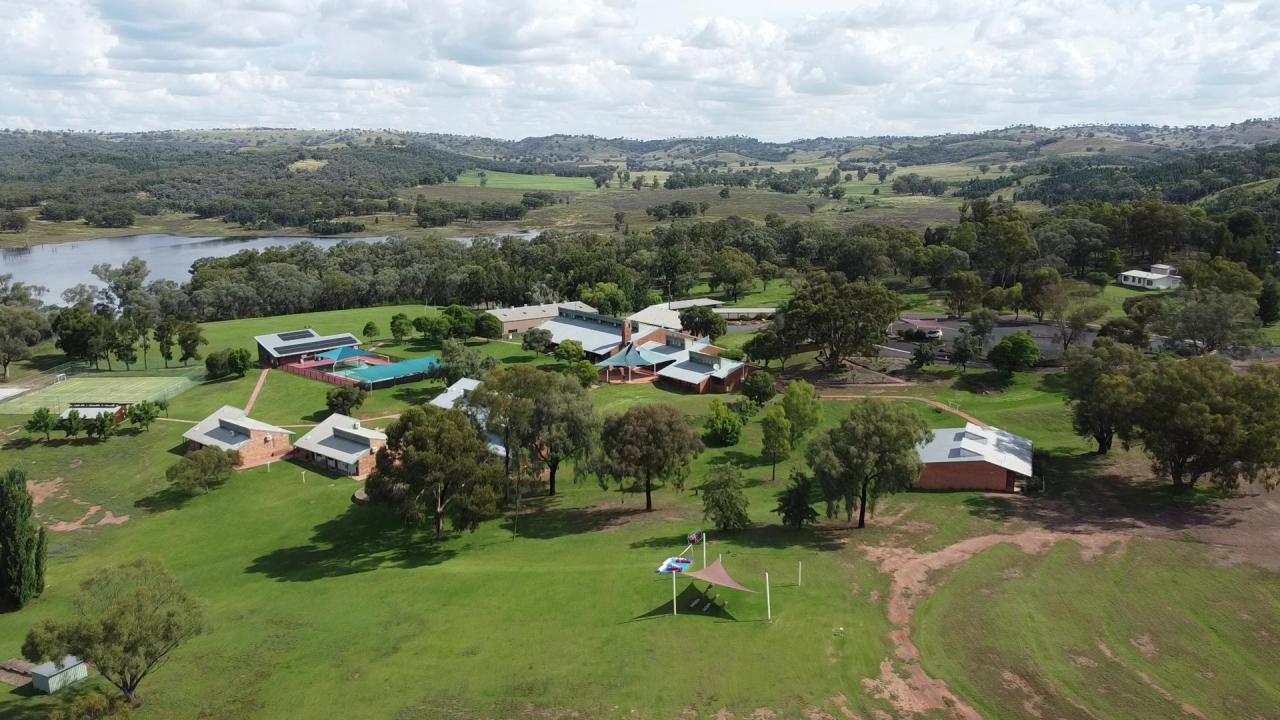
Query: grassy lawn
x=1078 y=633
x=775 y=295
x=1114 y=295
x=320 y=608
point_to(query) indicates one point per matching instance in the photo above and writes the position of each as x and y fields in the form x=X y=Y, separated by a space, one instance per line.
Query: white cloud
x=639 y=68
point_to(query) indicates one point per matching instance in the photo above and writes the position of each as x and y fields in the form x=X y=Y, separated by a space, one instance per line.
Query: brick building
x=229 y=428
x=974 y=457
x=340 y=444
x=516 y=320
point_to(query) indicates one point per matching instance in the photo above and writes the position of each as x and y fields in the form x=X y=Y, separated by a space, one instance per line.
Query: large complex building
x=297 y=346
x=974 y=458
x=516 y=320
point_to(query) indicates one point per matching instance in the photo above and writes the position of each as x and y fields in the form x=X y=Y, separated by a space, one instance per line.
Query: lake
x=59 y=266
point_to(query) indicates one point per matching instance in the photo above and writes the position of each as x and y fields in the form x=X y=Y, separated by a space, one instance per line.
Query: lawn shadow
x=416 y=395
x=983 y=383
x=746 y=461
x=684 y=602
x=544 y=519
x=1086 y=492
x=164 y=500
x=363 y=538
x=821 y=538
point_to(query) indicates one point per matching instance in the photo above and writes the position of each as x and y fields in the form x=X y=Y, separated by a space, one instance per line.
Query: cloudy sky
x=639 y=68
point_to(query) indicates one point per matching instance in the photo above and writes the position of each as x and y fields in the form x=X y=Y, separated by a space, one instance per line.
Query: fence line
x=316 y=375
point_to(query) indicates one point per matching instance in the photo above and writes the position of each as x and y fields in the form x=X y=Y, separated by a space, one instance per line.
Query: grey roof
x=89 y=412
x=975 y=443
x=340 y=437
x=596 y=337
x=296 y=342
x=228 y=428
x=731 y=311
x=455 y=398
x=692 y=302
x=692 y=366
x=537 y=312
x=51 y=668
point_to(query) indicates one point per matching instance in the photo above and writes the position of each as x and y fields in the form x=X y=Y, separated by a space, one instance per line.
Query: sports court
x=88 y=389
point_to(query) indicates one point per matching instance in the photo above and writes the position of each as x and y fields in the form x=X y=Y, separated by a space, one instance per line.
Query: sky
x=776 y=70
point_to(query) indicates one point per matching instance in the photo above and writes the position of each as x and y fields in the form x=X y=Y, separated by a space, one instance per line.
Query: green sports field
x=99 y=389
x=517 y=181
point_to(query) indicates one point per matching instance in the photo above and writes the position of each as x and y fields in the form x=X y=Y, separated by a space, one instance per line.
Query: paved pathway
x=262 y=378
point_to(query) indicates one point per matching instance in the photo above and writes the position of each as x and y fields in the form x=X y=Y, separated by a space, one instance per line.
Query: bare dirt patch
x=108 y=518
x=1083 y=661
x=41 y=491
x=763 y=714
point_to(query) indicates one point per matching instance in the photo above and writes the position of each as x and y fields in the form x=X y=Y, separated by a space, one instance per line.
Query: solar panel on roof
x=296 y=334
x=315 y=345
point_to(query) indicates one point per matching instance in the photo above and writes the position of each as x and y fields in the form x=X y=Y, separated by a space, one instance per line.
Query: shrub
x=732 y=354
x=723 y=426
x=759 y=386
x=217 y=364
x=745 y=407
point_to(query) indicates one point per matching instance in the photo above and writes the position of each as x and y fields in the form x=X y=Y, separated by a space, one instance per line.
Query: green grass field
x=126 y=388
x=320 y=608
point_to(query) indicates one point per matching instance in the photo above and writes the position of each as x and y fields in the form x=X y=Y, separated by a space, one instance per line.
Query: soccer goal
x=59 y=378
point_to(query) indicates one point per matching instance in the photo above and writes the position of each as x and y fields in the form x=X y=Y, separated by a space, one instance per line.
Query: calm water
x=63 y=265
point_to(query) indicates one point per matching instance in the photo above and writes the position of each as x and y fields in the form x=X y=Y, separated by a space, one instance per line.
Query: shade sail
x=344 y=353
x=632 y=356
x=716 y=575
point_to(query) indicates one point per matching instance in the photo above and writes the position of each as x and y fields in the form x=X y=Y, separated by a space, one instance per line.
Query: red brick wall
x=259 y=452
x=963 y=476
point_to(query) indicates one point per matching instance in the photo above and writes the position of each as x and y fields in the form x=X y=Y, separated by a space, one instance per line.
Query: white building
x=1160 y=277
x=52 y=676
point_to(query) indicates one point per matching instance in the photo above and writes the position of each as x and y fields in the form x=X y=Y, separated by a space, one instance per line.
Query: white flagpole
x=768 y=600
x=800 y=573
x=704 y=549
x=673 y=594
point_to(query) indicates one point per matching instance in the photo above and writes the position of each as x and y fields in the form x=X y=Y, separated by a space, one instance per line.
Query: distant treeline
x=78 y=176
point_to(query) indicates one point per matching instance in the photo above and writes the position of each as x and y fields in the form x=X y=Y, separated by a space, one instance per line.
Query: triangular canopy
x=632 y=356
x=716 y=575
x=343 y=353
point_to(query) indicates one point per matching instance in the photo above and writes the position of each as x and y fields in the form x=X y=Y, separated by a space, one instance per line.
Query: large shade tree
x=128 y=620
x=436 y=466
x=871 y=453
x=843 y=320
x=646 y=444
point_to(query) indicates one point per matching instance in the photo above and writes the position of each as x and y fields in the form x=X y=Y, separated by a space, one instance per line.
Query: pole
x=704 y=549
x=800 y=573
x=673 y=594
x=768 y=599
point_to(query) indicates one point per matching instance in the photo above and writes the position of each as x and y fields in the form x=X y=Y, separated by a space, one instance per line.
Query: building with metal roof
x=278 y=349
x=600 y=335
x=667 y=315
x=701 y=369
x=52 y=676
x=89 y=411
x=341 y=444
x=974 y=457
x=455 y=398
x=516 y=320
x=230 y=428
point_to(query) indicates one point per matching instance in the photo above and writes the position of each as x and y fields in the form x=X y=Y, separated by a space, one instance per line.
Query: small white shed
x=52 y=676
x=1160 y=277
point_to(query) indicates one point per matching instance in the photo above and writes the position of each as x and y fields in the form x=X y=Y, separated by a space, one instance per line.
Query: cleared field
x=98 y=389
x=517 y=181
x=307 y=165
